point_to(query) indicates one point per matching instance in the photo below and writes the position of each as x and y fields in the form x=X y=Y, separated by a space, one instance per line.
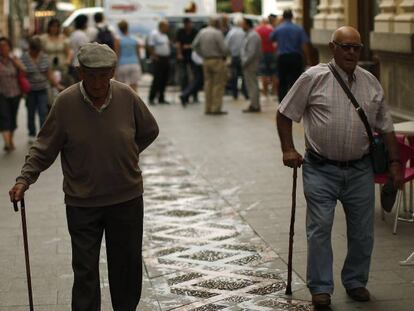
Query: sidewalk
x=216 y=224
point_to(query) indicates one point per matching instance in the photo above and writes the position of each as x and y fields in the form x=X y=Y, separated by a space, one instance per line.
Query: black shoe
x=251 y=109
x=321 y=300
x=359 y=294
x=163 y=102
x=218 y=113
x=183 y=100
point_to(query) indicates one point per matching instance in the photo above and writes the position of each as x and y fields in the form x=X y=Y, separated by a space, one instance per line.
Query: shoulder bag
x=377 y=147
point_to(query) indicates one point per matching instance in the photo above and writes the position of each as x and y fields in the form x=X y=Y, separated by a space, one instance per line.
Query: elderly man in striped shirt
x=336 y=165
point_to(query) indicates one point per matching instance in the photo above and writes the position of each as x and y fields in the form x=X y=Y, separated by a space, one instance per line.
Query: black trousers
x=160 y=78
x=290 y=67
x=122 y=224
x=196 y=84
x=236 y=73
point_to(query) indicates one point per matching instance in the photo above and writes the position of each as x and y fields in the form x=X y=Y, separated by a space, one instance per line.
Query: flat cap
x=95 y=55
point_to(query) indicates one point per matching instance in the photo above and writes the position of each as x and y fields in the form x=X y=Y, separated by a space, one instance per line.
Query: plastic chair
x=406 y=154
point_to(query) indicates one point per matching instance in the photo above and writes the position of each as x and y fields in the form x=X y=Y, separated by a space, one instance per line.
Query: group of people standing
x=276 y=52
x=47 y=65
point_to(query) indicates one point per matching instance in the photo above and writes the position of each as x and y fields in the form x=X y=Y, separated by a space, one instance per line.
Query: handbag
x=377 y=147
x=24 y=83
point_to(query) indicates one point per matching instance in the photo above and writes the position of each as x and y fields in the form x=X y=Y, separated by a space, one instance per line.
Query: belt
x=317 y=158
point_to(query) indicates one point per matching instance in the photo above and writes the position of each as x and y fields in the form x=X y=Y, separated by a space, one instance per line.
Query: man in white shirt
x=159 y=48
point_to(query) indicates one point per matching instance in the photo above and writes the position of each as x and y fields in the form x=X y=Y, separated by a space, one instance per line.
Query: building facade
x=387 y=32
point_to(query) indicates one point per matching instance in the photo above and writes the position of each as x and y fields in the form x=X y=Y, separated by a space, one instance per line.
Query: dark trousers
x=184 y=68
x=8 y=112
x=36 y=101
x=290 y=67
x=160 y=78
x=122 y=224
x=196 y=84
x=236 y=73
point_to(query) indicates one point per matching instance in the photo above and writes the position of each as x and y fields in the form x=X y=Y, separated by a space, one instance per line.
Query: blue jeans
x=36 y=101
x=324 y=185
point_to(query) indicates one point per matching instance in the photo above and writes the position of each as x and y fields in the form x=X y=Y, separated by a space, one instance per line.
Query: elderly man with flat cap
x=99 y=126
x=337 y=165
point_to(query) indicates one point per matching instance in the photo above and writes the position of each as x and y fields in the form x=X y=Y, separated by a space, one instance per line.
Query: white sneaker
x=31 y=140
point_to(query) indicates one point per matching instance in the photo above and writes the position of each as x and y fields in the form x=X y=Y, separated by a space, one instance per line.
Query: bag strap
x=354 y=102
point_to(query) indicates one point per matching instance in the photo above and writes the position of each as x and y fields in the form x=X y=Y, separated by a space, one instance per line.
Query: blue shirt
x=127 y=51
x=289 y=37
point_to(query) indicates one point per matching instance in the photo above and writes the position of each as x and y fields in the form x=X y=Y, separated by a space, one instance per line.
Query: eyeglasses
x=348 y=46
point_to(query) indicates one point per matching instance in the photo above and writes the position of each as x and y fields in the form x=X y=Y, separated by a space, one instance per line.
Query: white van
x=89 y=12
x=139 y=26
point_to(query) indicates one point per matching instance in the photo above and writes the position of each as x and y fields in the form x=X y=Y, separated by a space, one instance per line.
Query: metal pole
x=291 y=233
x=26 y=250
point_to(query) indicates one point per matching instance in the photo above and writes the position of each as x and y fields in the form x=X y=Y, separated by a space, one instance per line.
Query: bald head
x=344 y=33
x=346 y=47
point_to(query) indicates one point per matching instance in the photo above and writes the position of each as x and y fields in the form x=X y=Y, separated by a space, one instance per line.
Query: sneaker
x=251 y=109
x=359 y=294
x=183 y=100
x=218 y=113
x=321 y=300
x=31 y=140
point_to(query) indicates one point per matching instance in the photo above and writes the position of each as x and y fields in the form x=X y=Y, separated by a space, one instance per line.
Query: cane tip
x=288 y=291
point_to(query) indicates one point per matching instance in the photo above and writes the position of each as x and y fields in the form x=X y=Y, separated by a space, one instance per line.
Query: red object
x=237 y=5
x=24 y=84
x=264 y=33
x=406 y=154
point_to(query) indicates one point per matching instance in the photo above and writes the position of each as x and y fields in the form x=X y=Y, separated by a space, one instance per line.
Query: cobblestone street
x=217 y=211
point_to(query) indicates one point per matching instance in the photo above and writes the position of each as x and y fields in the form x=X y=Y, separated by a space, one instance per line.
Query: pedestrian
x=77 y=39
x=251 y=54
x=197 y=81
x=209 y=44
x=127 y=49
x=160 y=51
x=57 y=48
x=40 y=76
x=234 y=40
x=10 y=93
x=337 y=165
x=292 y=52
x=99 y=126
x=101 y=32
x=268 y=65
x=184 y=39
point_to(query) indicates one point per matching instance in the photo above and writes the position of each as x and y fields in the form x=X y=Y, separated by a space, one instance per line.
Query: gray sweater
x=251 y=51
x=99 y=150
x=209 y=43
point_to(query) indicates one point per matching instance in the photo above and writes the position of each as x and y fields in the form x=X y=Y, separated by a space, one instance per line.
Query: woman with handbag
x=39 y=75
x=56 y=45
x=10 y=93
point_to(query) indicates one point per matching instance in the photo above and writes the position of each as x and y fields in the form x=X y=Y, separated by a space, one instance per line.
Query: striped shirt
x=332 y=126
x=9 y=86
x=36 y=71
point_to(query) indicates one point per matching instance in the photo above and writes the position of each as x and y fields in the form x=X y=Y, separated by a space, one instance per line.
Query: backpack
x=105 y=36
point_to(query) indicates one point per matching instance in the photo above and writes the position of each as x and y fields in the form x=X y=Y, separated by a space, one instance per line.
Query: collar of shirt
x=89 y=101
x=343 y=74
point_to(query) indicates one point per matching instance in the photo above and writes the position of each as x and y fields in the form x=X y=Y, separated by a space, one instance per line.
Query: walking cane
x=26 y=249
x=291 y=233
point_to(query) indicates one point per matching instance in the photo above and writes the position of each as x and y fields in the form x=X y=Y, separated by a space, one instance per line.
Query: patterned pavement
x=198 y=253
